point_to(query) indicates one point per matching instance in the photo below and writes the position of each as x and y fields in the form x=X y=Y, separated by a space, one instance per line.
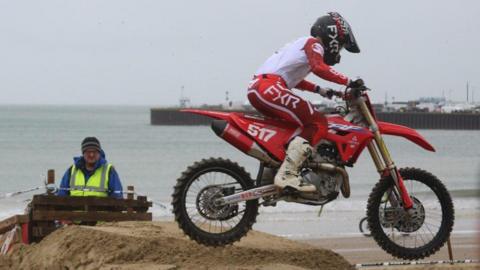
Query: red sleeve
x=314 y=52
x=306 y=85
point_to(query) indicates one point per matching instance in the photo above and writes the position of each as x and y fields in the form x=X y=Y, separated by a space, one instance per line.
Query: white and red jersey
x=296 y=60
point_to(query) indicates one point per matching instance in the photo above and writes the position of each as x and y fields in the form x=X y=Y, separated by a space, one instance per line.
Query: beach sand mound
x=161 y=245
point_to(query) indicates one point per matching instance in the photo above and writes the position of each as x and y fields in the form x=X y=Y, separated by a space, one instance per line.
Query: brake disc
x=207 y=207
x=402 y=220
x=414 y=219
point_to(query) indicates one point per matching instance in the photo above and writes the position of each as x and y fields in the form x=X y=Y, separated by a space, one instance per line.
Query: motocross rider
x=270 y=90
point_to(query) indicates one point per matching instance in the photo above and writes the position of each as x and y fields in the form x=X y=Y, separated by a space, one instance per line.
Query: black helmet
x=335 y=33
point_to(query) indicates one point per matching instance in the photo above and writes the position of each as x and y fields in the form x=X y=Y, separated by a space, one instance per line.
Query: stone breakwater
x=160 y=116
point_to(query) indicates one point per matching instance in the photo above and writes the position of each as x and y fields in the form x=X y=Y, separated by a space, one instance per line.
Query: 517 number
x=263 y=134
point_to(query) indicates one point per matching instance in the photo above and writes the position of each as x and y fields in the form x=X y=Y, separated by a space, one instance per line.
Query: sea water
x=34 y=139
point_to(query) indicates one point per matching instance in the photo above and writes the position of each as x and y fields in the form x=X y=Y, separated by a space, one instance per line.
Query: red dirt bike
x=410 y=212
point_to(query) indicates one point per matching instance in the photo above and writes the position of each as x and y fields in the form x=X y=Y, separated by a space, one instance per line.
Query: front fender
x=406 y=132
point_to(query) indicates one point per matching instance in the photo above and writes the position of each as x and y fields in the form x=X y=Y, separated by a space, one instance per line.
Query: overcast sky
x=143 y=52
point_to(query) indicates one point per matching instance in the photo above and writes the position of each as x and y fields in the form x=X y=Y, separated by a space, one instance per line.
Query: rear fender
x=211 y=114
x=406 y=132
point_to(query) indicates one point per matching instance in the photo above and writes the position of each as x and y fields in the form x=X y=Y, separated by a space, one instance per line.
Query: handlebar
x=352 y=93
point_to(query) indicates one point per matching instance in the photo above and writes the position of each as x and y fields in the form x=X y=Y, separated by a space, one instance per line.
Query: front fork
x=384 y=162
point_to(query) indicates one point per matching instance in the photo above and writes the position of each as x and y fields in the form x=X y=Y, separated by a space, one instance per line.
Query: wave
x=347 y=206
x=465 y=193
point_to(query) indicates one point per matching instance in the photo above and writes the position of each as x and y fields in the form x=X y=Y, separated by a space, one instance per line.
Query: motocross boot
x=288 y=174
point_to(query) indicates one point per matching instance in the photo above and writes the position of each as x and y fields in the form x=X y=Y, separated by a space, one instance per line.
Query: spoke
x=196 y=184
x=421 y=237
x=426 y=234
x=434 y=214
x=209 y=178
x=416 y=233
x=214 y=178
x=203 y=223
x=234 y=220
x=435 y=219
x=191 y=209
x=192 y=217
x=428 y=228
x=227 y=184
x=433 y=225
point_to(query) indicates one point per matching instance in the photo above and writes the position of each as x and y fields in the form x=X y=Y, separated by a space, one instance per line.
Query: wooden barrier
x=9 y=223
x=46 y=212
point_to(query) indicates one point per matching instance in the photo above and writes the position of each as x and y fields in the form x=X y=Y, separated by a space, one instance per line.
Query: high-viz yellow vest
x=96 y=186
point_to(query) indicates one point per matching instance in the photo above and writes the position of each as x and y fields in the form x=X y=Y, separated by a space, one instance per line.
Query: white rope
x=52 y=188
x=360 y=265
x=160 y=204
x=16 y=193
x=86 y=189
x=157 y=203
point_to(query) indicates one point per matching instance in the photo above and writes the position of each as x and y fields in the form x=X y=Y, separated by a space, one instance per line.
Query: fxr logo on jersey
x=263 y=134
x=284 y=97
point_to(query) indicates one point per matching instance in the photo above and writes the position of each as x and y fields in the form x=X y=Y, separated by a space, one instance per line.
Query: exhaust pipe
x=345 y=188
x=237 y=138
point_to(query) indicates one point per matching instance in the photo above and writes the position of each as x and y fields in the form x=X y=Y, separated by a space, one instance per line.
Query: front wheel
x=195 y=204
x=422 y=231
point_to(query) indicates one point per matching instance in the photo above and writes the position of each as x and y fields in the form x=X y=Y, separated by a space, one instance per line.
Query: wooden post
x=50 y=180
x=450 y=254
x=130 y=190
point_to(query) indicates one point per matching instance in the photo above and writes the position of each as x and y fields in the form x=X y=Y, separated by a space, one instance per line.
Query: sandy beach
x=161 y=245
x=364 y=250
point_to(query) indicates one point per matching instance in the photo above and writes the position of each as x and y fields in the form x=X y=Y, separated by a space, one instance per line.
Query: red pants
x=271 y=97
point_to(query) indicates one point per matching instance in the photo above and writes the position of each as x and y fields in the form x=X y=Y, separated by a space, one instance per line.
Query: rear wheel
x=421 y=232
x=195 y=208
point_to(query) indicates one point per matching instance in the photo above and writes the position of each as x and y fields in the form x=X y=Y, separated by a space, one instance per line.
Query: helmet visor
x=350 y=42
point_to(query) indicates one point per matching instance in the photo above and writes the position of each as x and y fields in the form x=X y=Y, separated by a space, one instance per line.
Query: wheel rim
x=200 y=195
x=421 y=227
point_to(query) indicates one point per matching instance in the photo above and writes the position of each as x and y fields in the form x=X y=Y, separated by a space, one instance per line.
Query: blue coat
x=114 y=184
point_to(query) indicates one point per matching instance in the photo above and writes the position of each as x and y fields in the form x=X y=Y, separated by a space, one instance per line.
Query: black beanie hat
x=91 y=143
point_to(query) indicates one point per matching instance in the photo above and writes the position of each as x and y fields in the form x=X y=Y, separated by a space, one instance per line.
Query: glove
x=326 y=92
x=356 y=83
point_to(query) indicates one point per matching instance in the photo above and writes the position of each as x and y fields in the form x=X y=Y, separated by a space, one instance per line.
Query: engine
x=321 y=170
x=328 y=183
x=326 y=152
